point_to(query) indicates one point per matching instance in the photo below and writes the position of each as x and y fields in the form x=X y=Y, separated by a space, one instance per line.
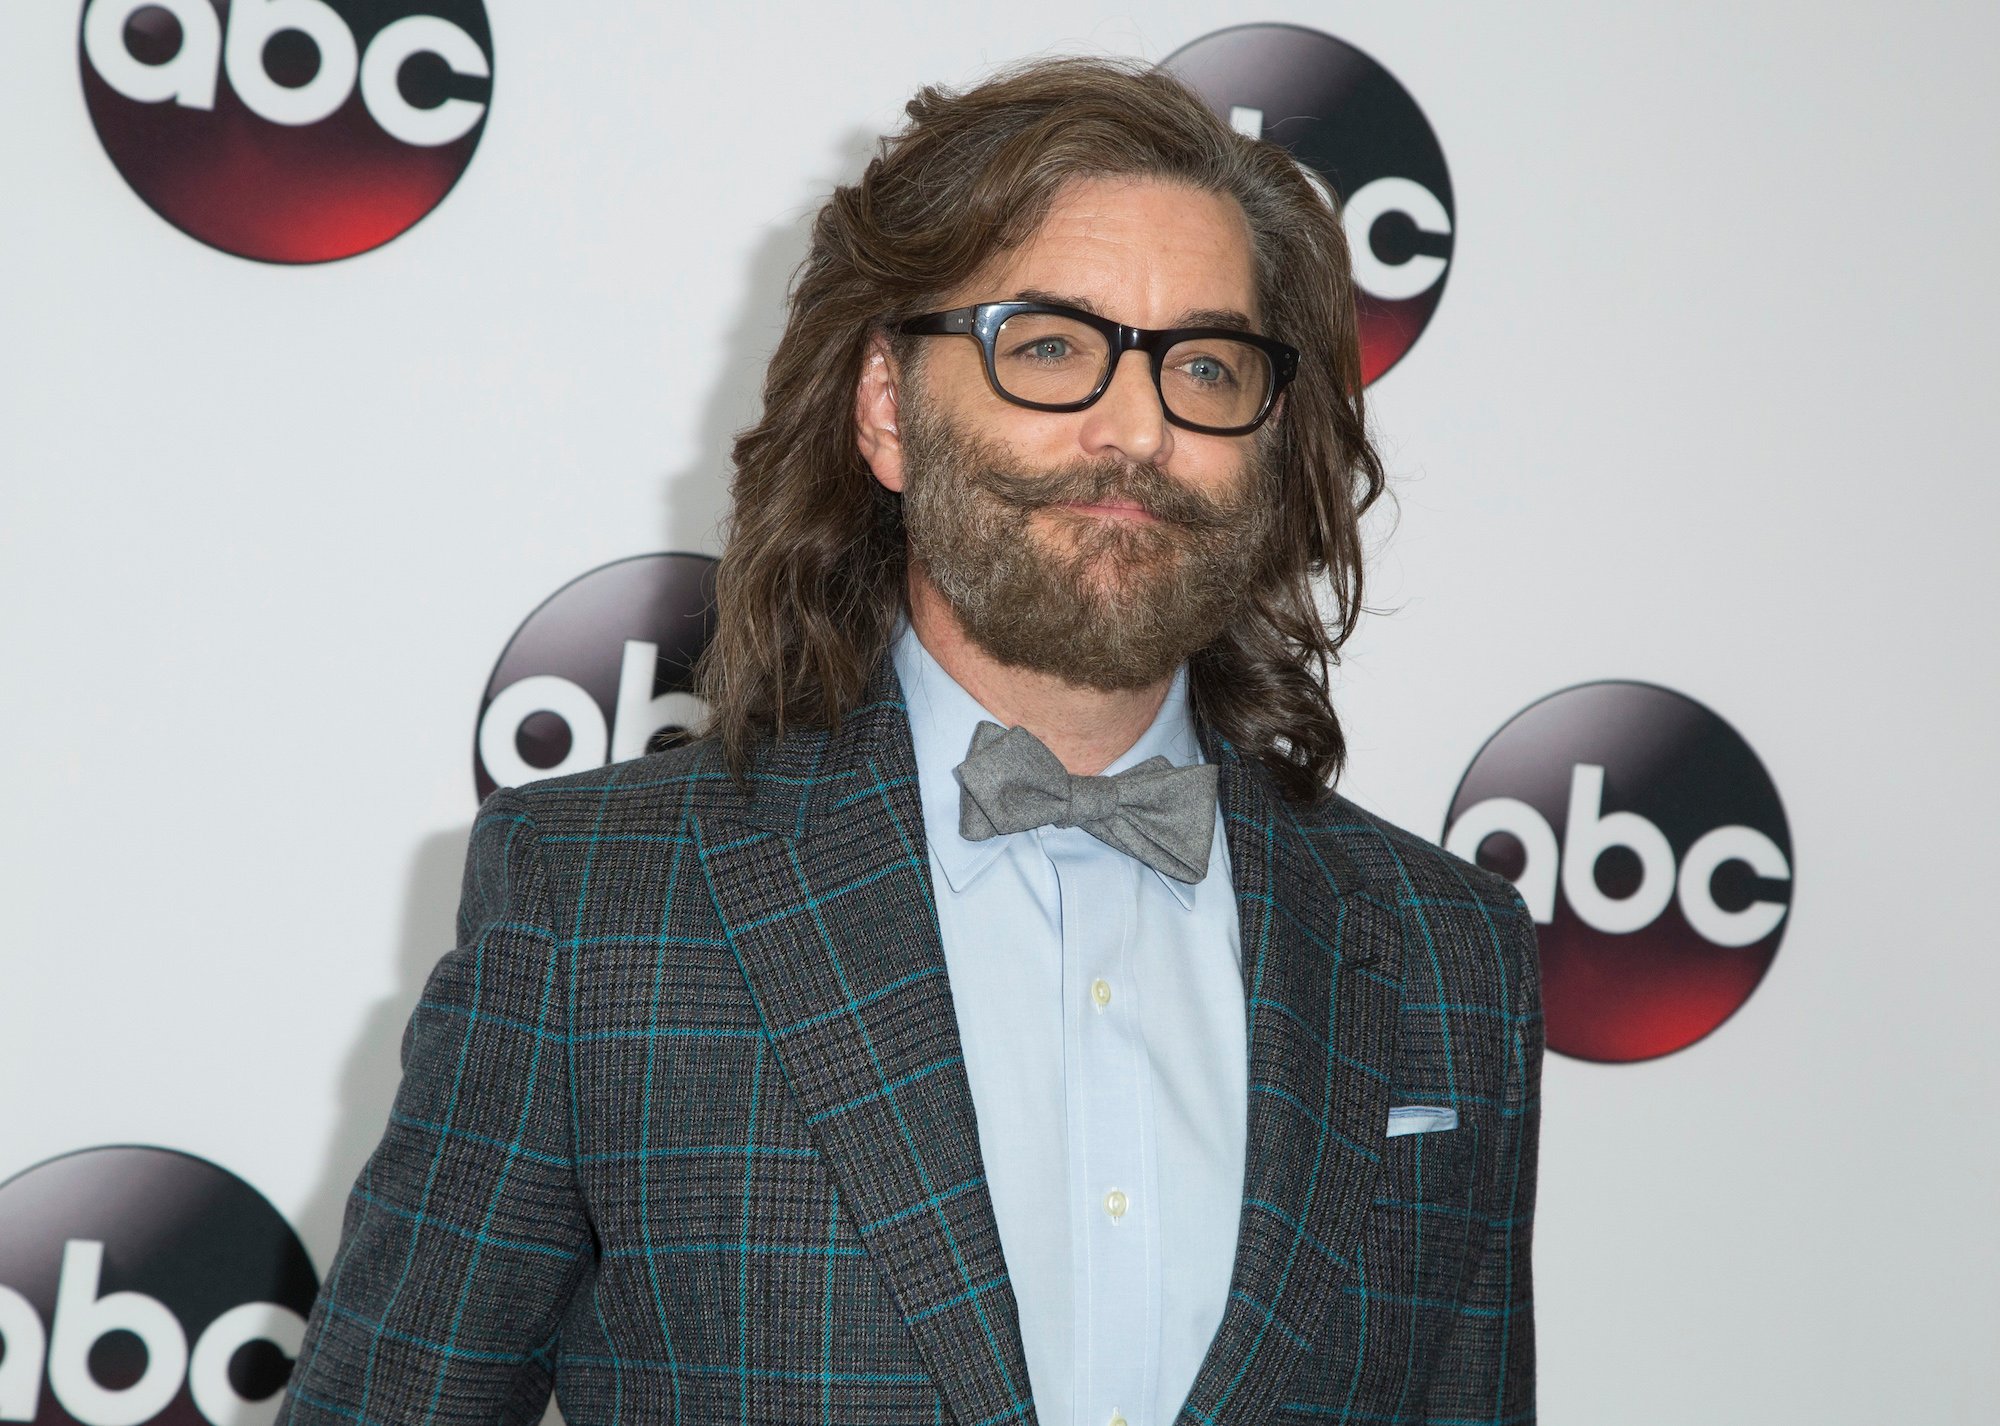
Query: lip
x=1114 y=510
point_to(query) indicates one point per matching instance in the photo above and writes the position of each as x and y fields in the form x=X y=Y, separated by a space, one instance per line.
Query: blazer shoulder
x=655 y=790
x=1463 y=926
x=1402 y=867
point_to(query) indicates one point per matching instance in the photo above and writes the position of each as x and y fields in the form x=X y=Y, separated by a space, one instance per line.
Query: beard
x=1103 y=603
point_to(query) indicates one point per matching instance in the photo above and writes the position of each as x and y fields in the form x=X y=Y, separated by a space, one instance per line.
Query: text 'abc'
x=1590 y=832
x=191 y=76
x=83 y=1318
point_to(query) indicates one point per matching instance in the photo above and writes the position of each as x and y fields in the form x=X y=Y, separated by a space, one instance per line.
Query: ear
x=876 y=434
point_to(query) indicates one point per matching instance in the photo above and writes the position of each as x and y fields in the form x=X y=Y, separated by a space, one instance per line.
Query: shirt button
x=1100 y=991
x=1115 y=1203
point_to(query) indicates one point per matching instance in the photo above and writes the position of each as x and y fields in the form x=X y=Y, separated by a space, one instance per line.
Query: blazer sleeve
x=465 y=1235
x=1485 y=1373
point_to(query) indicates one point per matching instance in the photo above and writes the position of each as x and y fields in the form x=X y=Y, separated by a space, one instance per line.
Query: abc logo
x=290 y=131
x=144 y=1285
x=1650 y=847
x=1351 y=125
x=601 y=672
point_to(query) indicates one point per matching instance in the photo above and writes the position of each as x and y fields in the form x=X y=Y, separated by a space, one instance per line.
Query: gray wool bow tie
x=1161 y=814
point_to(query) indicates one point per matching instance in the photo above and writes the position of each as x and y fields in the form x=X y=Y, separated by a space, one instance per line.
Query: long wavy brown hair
x=812 y=577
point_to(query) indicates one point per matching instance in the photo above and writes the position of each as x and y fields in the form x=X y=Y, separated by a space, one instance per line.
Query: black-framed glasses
x=1216 y=380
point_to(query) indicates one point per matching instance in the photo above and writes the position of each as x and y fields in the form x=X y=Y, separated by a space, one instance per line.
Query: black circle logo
x=1348 y=122
x=290 y=131
x=601 y=672
x=1651 y=849
x=143 y=1285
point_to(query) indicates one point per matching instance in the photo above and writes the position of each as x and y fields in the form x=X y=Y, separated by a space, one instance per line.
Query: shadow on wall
x=697 y=502
x=374 y=1064
x=697 y=498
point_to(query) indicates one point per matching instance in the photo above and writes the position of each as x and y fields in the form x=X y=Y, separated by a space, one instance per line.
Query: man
x=997 y=1018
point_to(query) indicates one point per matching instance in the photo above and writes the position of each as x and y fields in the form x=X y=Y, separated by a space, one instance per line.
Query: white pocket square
x=1421 y=1119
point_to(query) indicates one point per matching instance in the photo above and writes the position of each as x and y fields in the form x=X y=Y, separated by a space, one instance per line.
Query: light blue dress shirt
x=1101 y=1009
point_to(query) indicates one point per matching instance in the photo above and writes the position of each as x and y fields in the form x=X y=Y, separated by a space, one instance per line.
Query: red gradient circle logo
x=289 y=131
x=1652 y=851
x=602 y=671
x=1349 y=123
x=142 y=1285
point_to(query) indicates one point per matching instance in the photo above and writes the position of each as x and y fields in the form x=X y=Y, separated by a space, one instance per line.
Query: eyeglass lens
x=1211 y=381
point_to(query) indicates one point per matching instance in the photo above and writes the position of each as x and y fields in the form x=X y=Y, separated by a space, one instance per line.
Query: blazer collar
x=1322 y=969
x=825 y=896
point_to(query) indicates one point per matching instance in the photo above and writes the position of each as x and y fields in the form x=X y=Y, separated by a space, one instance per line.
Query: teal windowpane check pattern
x=685 y=1135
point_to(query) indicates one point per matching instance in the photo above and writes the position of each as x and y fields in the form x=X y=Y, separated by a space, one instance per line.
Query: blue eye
x=1207 y=371
x=1049 y=349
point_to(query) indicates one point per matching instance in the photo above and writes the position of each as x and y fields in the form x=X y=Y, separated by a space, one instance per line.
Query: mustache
x=1093 y=483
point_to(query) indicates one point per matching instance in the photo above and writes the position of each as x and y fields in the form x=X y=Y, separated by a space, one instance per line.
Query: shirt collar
x=942 y=719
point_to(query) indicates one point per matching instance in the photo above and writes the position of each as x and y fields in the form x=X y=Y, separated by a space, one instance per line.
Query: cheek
x=1212 y=468
x=1027 y=440
x=954 y=376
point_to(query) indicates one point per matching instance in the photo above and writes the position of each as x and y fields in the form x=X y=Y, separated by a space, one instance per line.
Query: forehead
x=1143 y=251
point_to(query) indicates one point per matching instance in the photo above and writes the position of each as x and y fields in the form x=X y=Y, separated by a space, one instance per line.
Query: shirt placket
x=1113 y=1216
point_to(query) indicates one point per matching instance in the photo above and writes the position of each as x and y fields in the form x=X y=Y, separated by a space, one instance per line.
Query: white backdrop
x=1705 y=404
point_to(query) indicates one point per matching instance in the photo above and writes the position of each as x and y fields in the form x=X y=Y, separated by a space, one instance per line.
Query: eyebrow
x=1192 y=317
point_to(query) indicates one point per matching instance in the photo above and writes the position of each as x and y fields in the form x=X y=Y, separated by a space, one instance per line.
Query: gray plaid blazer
x=684 y=1129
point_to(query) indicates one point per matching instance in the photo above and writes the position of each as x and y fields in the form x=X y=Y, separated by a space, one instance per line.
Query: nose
x=1128 y=418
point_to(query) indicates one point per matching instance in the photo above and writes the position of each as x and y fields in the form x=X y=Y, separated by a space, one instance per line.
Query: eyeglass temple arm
x=957 y=320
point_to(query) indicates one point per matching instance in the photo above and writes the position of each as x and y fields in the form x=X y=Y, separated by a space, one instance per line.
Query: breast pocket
x=1427 y=1158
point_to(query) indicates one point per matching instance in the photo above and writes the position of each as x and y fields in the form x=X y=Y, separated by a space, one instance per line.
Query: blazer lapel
x=825 y=895
x=1322 y=966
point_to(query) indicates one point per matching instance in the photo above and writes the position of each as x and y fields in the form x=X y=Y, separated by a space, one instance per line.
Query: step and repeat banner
x=369 y=373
